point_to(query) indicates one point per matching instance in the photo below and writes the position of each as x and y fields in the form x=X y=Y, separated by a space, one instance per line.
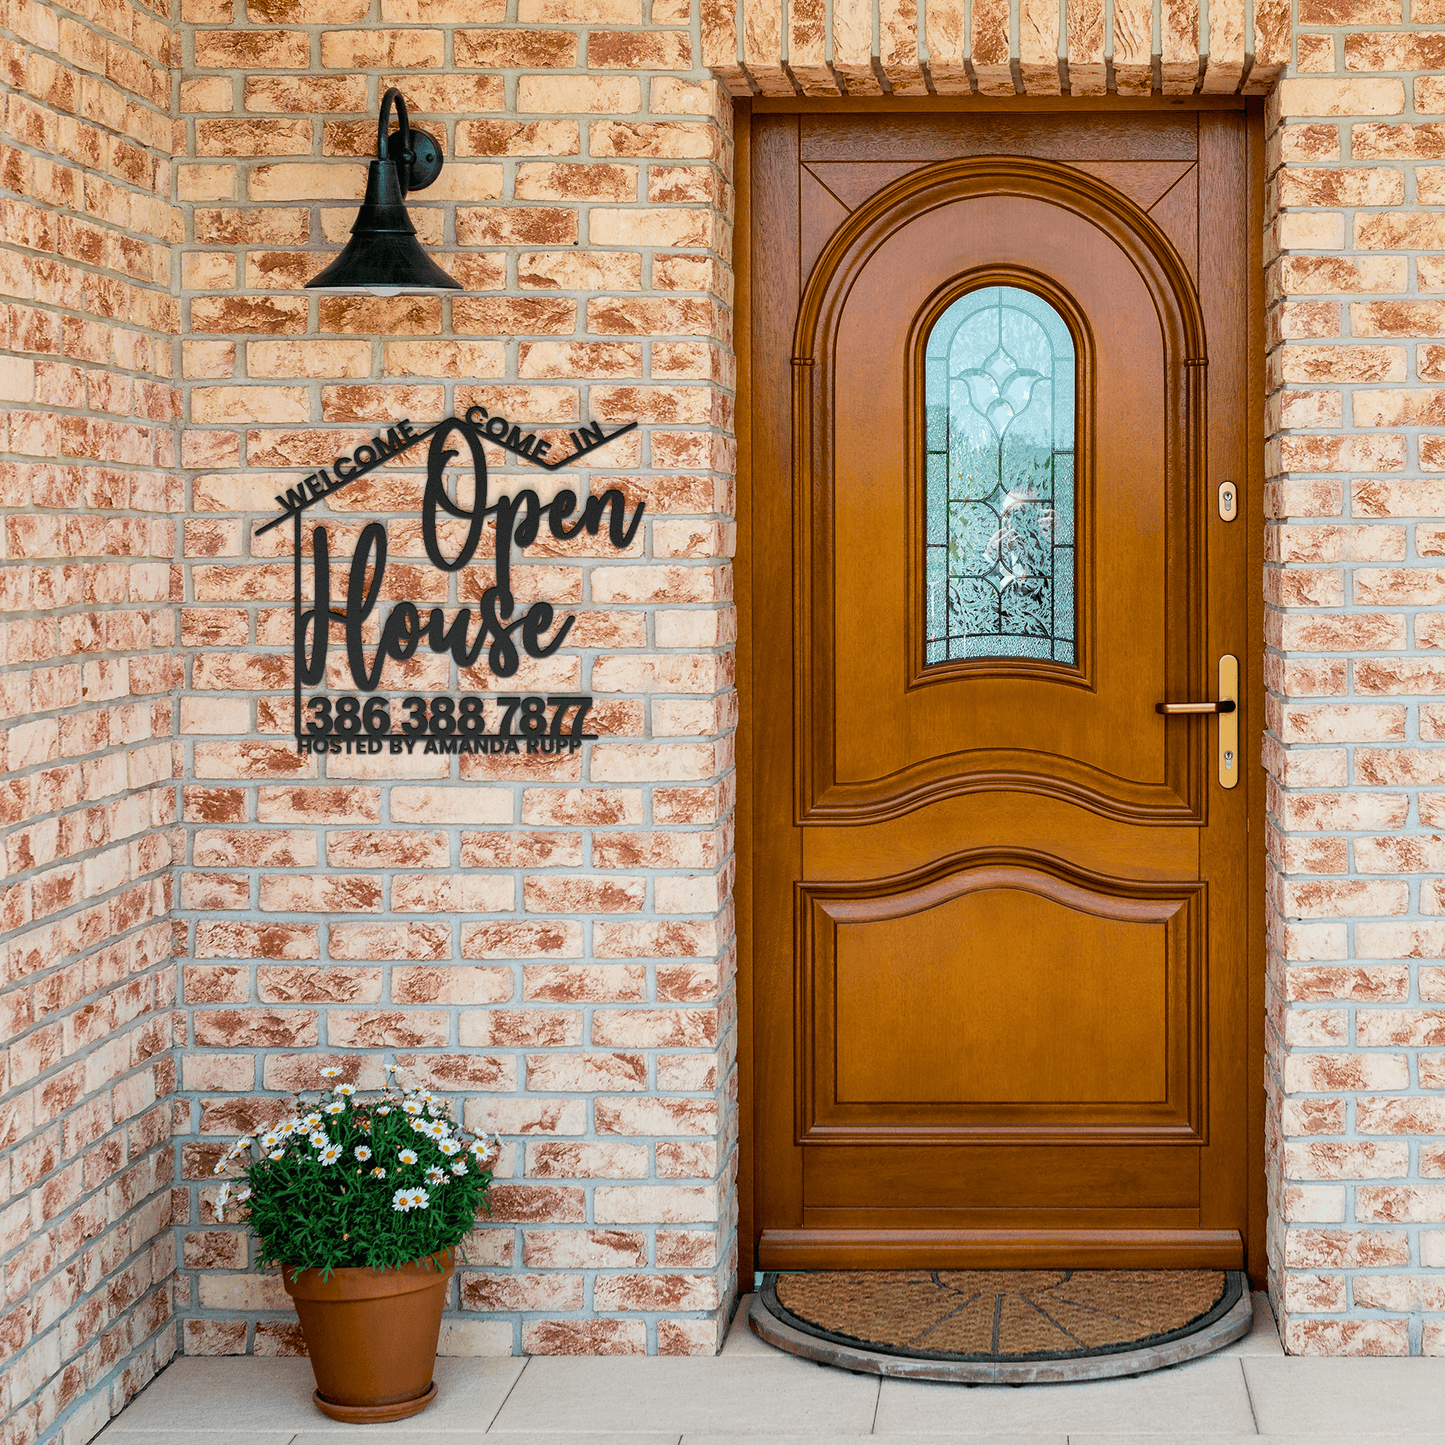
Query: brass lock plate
x=1229 y=722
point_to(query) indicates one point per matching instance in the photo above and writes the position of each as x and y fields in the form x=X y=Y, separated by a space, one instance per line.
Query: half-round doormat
x=997 y=1326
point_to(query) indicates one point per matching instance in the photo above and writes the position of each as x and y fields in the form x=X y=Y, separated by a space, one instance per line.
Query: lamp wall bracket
x=425 y=164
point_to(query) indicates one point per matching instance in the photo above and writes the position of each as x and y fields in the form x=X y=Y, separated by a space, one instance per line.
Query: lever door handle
x=1228 y=741
x=1174 y=709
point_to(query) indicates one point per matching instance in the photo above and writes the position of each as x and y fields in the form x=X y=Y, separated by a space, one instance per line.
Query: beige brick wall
x=89 y=494
x=1355 y=253
x=550 y=941
x=1353 y=588
x=553 y=944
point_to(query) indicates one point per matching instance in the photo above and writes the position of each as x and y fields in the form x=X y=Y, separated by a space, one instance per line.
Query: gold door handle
x=1175 y=709
x=1228 y=710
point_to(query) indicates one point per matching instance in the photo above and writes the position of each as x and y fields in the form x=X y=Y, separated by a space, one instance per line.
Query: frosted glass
x=999 y=391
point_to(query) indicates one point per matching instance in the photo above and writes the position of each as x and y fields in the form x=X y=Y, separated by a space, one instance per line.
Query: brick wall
x=1354 y=585
x=550 y=942
x=1355 y=503
x=87 y=804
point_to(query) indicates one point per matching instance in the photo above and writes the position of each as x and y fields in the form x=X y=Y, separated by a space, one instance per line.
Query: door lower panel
x=1000 y=1249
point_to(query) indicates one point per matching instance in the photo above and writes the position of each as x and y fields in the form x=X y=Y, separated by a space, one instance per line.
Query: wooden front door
x=1002 y=906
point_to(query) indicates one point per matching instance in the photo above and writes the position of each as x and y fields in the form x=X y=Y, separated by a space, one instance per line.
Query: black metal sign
x=361 y=721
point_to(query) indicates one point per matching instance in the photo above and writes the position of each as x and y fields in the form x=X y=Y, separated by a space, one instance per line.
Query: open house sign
x=496 y=635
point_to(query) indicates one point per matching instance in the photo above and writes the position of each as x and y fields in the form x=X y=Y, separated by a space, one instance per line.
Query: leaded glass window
x=999 y=388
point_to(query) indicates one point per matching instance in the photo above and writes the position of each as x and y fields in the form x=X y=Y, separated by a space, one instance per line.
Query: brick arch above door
x=854 y=48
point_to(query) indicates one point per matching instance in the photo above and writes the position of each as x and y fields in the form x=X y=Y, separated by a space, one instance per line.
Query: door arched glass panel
x=999 y=385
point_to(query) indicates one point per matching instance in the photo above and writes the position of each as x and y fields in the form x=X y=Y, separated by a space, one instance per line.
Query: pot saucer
x=374 y=1414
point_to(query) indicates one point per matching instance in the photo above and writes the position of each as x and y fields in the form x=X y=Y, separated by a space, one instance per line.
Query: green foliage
x=349 y=1179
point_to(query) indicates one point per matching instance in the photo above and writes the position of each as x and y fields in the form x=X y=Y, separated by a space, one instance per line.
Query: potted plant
x=362 y=1200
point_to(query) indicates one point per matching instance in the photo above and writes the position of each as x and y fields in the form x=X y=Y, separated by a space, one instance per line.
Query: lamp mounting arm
x=417 y=158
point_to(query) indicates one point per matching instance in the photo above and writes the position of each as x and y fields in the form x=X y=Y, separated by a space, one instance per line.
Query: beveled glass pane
x=999 y=384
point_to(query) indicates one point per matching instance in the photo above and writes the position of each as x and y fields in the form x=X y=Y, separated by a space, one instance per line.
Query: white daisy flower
x=345 y=1090
x=220 y=1166
x=240 y=1147
x=401 y=1201
x=435 y=1176
x=437 y=1129
x=362 y=1153
x=270 y=1139
x=277 y=1154
x=242 y=1195
x=331 y=1154
x=459 y=1167
x=318 y=1138
x=449 y=1146
x=221 y=1199
x=378 y=1172
x=289 y=1127
x=407 y=1156
x=311 y=1121
x=335 y=1107
x=330 y=1073
x=385 y=1109
x=420 y=1199
x=412 y=1107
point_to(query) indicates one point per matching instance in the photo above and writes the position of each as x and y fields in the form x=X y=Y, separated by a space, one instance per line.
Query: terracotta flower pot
x=372 y=1336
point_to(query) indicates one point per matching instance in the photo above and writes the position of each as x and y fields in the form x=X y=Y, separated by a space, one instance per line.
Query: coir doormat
x=1003 y=1316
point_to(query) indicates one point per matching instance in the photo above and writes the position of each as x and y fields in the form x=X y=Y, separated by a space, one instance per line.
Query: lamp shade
x=383 y=255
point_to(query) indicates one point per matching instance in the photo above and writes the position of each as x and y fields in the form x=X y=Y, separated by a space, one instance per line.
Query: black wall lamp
x=383 y=256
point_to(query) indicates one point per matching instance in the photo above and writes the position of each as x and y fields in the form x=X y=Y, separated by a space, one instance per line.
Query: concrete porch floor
x=1249 y=1390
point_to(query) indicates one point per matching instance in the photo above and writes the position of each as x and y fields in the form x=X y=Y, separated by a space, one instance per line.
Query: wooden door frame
x=1252 y=515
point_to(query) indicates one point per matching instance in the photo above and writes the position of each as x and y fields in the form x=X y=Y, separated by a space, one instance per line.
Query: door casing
x=751 y=211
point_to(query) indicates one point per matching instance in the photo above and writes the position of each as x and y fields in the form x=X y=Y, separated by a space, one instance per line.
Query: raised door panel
x=997 y=999
x=1004 y=997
